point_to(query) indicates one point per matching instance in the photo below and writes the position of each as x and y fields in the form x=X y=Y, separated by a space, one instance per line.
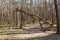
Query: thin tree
x=21 y=14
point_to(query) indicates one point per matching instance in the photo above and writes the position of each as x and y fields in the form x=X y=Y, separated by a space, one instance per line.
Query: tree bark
x=57 y=17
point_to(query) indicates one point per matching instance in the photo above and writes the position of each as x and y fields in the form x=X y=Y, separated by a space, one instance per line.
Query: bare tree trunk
x=21 y=13
x=40 y=15
x=21 y=20
x=50 y=16
x=57 y=17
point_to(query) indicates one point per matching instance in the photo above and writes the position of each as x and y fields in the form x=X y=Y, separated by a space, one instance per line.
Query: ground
x=28 y=33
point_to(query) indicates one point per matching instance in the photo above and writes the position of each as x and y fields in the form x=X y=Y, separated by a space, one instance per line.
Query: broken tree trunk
x=33 y=15
x=29 y=14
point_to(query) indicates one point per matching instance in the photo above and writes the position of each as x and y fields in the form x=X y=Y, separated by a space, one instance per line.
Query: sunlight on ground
x=25 y=36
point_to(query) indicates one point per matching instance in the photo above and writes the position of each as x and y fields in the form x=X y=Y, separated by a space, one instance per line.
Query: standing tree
x=57 y=17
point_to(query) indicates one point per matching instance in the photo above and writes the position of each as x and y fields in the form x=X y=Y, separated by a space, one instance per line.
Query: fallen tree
x=33 y=15
x=40 y=19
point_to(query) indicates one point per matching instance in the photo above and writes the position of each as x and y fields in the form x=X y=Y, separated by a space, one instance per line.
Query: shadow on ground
x=49 y=37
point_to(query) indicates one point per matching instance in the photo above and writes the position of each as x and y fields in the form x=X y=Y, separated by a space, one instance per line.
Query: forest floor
x=28 y=33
